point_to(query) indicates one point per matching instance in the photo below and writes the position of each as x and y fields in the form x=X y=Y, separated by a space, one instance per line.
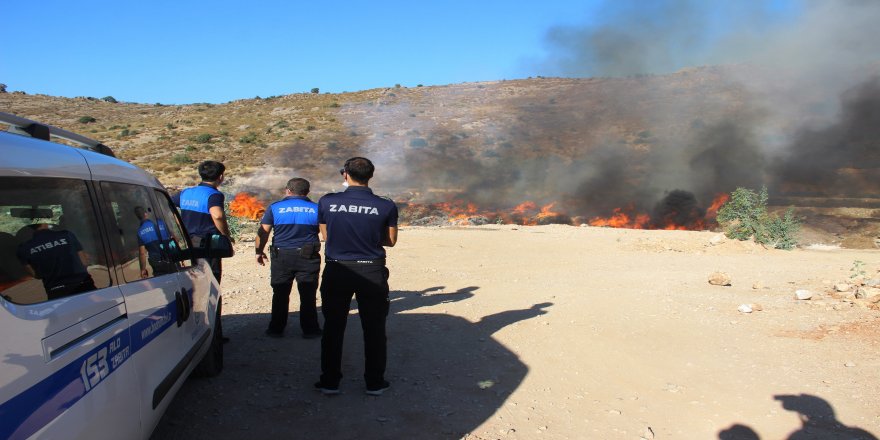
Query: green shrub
x=203 y=138
x=310 y=127
x=109 y=99
x=181 y=158
x=745 y=216
x=235 y=223
x=248 y=138
x=316 y=90
x=86 y=120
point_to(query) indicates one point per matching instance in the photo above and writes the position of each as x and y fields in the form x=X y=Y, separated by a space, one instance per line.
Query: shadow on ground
x=819 y=422
x=448 y=375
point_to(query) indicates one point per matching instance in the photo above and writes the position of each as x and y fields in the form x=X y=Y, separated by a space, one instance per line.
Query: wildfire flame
x=529 y=213
x=719 y=201
x=623 y=219
x=247 y=205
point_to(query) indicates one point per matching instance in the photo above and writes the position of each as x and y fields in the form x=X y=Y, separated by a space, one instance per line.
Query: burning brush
x=247 y=205
x=679 y=210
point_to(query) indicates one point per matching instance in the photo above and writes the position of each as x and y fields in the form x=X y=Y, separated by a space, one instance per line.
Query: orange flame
x=247 y=205
x=717 y=203
x=621 y=219
x=528 y=213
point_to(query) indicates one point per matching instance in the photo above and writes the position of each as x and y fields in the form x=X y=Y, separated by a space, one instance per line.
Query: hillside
x=580 y=149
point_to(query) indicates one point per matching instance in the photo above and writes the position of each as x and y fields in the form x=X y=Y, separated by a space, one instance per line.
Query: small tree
x=316 y=90
x=745 y=216
x=2 y=88
x=109 y=99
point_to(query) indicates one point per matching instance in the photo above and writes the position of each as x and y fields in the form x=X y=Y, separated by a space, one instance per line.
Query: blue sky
x=178 y=52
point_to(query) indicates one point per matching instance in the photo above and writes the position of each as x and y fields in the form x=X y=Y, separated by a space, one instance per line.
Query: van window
x=142 y=243
x=50 y=245
x=167 y=212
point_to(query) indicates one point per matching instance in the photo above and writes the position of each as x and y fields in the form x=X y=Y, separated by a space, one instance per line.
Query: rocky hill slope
x=580 y=148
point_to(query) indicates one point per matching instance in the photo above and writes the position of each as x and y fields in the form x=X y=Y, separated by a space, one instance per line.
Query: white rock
x=849 y=364
x=718 y=239
x=842 y=287
x=745 y=308
x=803 y=294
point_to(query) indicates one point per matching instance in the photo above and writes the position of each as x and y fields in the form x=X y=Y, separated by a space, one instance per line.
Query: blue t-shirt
x=152 y=237
x=357 y=221
x=195 y=208
x=295 y=221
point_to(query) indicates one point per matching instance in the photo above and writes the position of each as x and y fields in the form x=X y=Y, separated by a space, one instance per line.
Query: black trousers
x=369 y=284
x=286 y=266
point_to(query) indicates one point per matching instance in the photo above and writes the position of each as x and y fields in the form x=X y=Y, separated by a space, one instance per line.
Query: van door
x=66 y=351
x=157 y=304
x=195 y=277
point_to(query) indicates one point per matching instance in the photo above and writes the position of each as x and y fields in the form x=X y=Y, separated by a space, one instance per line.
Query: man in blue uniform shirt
x=152 y=239
x=201 y=209
x=295 y=255
x=355 y=224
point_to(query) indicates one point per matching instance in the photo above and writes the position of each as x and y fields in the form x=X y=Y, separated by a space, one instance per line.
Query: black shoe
x=312 y=334
x=273 y=334
x=225 y=339
x=377 y=391
x=326 y=390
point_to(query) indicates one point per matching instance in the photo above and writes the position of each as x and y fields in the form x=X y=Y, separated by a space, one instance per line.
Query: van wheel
x=212 y=364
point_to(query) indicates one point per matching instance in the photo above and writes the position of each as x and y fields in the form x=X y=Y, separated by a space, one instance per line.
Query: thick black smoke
x=842 y=159
x=793 y=105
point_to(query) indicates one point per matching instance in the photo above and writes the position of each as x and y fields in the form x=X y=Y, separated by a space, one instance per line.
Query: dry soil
x=561 y=332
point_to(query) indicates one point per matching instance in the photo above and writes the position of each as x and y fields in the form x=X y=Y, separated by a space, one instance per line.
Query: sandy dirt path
x=560 y=332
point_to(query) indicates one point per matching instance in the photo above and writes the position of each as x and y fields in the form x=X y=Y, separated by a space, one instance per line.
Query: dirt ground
x=562 y=332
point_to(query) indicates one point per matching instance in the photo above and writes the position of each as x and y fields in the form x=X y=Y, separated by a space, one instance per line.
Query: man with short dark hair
x=295 y=254
x=202 y=210
x=356 y=224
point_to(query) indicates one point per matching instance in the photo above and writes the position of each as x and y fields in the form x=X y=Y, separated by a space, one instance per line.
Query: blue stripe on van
x=30 y=411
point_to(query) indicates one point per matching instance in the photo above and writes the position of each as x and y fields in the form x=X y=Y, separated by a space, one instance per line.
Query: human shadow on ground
x=818 y=419
x=448 y=375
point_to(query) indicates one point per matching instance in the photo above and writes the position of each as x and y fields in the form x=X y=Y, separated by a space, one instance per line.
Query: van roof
x=24 y=156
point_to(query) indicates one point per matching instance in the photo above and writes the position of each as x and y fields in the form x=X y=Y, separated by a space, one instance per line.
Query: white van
x=105 y=308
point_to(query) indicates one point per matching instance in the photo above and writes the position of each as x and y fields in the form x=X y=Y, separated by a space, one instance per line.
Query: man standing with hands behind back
x=355 y=224
x=295 y=254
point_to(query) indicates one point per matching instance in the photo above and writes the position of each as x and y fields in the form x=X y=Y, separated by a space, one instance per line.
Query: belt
x=356 y=262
